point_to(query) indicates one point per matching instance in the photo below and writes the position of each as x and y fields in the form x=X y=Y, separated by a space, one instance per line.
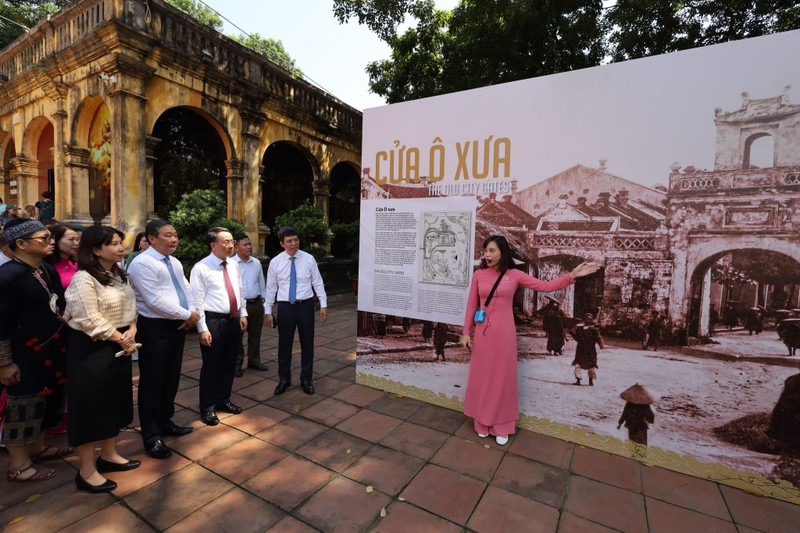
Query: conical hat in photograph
x=639 y=394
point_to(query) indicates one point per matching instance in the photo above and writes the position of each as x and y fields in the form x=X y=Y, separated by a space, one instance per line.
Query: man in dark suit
x=163 y=299
x=293 y=277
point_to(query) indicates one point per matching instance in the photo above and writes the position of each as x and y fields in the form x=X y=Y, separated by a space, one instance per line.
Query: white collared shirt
x=252 y=278
x=308 y=278
x=210 y=292
x=156 y=296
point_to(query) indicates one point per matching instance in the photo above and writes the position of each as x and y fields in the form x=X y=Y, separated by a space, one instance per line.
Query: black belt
x=297 y=302
x=212 y=314
x=254 y=300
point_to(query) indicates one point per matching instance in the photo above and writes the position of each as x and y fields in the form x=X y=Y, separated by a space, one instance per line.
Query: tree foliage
x=200 y=12
x=272 y=49
x=483 y=42
x=24 y=13
x=640 y=28
x=310 y=225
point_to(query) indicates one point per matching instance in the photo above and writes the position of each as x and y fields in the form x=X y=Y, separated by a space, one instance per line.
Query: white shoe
x=483 y=435
x=502 y=441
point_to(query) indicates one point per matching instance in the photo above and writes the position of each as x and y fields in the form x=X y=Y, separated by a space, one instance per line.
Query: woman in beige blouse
x=101 y=308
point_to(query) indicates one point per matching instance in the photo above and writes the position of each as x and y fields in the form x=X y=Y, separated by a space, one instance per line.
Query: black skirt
x=99 y=390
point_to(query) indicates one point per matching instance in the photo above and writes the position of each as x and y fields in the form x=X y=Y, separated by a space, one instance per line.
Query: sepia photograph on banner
x=680 y=176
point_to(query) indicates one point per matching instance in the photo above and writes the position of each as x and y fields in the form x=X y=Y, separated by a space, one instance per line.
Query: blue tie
x=178 y=288
x=293 y=283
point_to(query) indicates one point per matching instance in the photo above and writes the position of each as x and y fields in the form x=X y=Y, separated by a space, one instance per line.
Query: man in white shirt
x=223 y=316
x=255 y=292
x=163 y=298
x=293 y=277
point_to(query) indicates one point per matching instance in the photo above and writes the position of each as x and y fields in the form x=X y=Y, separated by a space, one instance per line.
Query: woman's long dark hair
x=506 y=261
x=136 y=247
x=97 y=237
x=57 y=231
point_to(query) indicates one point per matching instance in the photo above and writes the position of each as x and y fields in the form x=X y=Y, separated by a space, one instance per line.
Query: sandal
x=40 y=473
x=51 y=453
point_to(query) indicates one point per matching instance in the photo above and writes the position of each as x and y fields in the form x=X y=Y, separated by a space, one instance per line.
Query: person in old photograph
x=427 y=330
x=553 y=326
x=587 y=336
x=754 y=321
x=292 y=278
x=440 y=331
x=492 y=398
x=653 y=331
x=637 y=415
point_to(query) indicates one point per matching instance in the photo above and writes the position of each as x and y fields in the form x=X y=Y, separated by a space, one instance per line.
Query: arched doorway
x=345 y=192
x=99 y=142
x=730 y=285
x=288 y=182
x=190 y=155
x=39 y=172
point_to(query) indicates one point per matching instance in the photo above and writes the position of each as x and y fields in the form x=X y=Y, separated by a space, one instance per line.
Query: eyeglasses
x=43 y=238
x=225 y=242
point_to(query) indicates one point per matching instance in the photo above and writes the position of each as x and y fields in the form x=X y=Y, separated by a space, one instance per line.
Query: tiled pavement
x=351 y=458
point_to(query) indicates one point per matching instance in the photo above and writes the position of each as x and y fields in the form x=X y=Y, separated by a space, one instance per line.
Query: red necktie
x=231 y=292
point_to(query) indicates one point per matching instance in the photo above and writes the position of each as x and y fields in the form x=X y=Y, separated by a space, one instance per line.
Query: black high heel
x=84 y=485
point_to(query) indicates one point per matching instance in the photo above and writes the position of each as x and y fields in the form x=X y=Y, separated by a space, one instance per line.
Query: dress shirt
x=155 y=294
x=98 y=310
x=210 y=293
x=308 y=277
x=252 y=277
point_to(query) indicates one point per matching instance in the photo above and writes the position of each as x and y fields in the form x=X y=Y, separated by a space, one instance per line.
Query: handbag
x=480 y=314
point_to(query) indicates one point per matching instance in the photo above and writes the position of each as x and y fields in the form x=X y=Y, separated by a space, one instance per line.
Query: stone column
x=58 y=91
x=76 y=180
x=27 y=176
x=252 y=122
x=126 y=105
x=322 y=196
x=236 y=204
x=150 y=180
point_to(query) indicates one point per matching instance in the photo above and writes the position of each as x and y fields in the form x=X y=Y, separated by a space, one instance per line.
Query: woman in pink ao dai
x=492 y=395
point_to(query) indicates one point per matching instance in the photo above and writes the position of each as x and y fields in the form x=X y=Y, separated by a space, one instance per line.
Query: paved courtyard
x=350 y=458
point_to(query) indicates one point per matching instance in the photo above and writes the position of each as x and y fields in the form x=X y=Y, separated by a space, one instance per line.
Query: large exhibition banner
x=680 y=174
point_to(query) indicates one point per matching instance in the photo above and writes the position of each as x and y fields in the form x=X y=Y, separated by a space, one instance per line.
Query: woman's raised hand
x=584 y=269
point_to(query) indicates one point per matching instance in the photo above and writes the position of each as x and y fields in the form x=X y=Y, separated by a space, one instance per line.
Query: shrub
x=310 y=225
x=345 y=240
x=197 y=212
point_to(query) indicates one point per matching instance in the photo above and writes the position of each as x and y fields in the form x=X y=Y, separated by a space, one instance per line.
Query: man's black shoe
x=281 y=388
x=228 y=407
x=175 y=430
x=158 y=450
x=260 y=366
x=308 y=388
x=238 y=373
x=209 y=418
